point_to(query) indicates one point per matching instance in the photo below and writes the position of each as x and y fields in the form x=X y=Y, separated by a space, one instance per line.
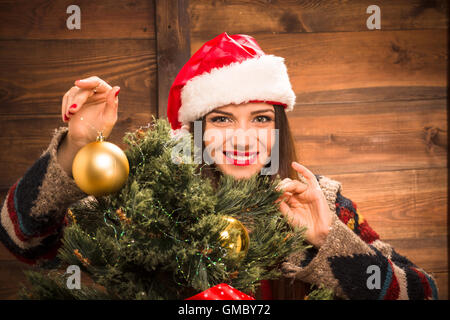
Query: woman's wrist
x=66 y=153
x=322 y=237
x=323 y=223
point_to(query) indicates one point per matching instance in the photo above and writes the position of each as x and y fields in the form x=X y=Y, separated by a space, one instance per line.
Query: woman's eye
x=220 y=119
x=263 y=119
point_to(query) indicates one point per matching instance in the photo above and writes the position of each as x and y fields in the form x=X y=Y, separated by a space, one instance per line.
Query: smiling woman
x=241 y=96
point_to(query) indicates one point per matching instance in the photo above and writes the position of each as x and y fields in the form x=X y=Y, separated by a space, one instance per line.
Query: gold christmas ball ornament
x=100 y=168
x=235 y=236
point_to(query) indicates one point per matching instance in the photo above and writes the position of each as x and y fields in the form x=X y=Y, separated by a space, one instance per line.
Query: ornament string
x=99 y=133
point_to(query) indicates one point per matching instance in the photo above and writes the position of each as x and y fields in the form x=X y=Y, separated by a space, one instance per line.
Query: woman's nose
x=243 y=139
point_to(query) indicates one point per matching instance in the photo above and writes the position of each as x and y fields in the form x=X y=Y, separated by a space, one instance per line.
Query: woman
x=240 y=97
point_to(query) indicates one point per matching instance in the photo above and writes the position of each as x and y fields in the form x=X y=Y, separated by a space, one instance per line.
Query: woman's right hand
x=85 y=110
x=86 y=113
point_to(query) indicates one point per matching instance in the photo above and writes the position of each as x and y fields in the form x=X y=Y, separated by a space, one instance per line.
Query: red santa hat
x=227 y=70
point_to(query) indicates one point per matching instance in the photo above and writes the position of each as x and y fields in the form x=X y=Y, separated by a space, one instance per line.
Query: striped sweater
x=33 y=217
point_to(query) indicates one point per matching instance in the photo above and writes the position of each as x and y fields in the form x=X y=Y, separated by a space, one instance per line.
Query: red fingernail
x=73 y=106
x=117 y=92
x=66 y=118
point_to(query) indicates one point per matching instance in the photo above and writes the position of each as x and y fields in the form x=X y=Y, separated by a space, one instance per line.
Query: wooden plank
x=107 y=19
x=359 y=67
x=3 y=193
x=442 y=284
x=173 y=46
x=5 y=255
x=11 y=278
x=36 y=81
x=367 y=137
x=404 y=204
x=286 y=289
x=256 y=17
x=364 y=94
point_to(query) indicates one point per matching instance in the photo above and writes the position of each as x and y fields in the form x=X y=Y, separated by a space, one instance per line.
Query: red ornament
x=221 y=292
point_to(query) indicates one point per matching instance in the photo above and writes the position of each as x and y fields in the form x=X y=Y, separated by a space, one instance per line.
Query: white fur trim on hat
x=262 y=78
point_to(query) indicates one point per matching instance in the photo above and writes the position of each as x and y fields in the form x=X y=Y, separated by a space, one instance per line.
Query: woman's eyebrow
x=261 y=111
x=222 y=112
x=230 y=114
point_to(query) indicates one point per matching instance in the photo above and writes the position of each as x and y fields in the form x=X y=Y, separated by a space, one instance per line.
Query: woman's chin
x=240 y=172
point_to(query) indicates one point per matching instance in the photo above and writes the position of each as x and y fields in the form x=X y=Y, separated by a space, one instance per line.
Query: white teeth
x=240 y=158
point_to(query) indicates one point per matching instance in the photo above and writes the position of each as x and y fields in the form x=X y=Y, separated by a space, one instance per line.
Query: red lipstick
x=239 y=158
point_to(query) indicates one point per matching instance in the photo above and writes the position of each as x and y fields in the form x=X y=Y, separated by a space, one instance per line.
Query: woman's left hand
x=304 y=205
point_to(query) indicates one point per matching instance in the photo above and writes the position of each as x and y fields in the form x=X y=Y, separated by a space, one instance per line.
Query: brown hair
x=287 y=152
x=287 y=146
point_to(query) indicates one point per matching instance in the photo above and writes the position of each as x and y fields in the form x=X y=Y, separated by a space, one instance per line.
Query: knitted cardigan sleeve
x=353 y=255
x=33 y=213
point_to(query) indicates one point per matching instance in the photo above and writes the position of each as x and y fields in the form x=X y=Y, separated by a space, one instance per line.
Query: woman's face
x=239 y=138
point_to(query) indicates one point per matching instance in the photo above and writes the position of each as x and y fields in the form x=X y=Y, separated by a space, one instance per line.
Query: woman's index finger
x=93 y=82
x=310 y=177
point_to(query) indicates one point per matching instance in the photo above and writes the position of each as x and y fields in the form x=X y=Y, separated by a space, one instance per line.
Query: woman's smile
x=240 y=158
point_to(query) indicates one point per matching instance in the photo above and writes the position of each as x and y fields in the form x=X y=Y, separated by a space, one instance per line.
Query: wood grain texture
x=402 y=204
x=442 y=281
x=173 y=46
x=290 y=16
x=35 y=74
x=371 y=136
x=11 y=277
x=106 y=19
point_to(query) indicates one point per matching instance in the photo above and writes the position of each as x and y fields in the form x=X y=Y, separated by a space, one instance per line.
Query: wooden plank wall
x=39 y=61
x=371 y=106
